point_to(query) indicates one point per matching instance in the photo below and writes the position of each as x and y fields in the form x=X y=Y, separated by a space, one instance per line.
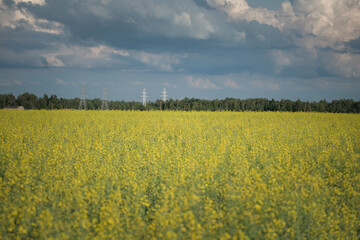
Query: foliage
x=179 y=175
x=30 y=101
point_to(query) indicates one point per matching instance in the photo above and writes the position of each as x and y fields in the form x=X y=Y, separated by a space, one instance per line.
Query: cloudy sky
x=307 y=49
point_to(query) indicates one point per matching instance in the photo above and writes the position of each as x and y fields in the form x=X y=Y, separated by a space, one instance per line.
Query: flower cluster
x=179 y=175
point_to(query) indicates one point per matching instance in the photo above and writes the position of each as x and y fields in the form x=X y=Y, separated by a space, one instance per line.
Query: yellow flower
x=179 y=175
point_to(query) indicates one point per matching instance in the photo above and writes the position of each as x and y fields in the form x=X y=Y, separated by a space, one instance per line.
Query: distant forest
x=31 y=101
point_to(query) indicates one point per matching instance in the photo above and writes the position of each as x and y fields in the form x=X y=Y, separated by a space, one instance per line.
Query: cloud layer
x=209 y=39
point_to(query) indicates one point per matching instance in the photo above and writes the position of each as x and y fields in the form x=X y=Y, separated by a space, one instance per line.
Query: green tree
x=27 y=100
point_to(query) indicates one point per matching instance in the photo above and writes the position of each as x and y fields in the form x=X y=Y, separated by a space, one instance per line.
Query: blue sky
x=194 y=48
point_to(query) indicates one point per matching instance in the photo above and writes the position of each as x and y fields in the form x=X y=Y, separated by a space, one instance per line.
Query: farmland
x=179 y=175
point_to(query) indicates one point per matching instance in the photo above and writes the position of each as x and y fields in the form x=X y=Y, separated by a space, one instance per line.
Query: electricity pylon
x=144 y=98
x=82 y=104
x=104 y=102
x=164 y=95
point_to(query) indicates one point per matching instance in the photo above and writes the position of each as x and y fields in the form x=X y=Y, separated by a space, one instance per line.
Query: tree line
x=31 y=101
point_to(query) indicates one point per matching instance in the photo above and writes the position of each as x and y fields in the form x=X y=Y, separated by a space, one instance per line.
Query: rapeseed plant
x=179 y=175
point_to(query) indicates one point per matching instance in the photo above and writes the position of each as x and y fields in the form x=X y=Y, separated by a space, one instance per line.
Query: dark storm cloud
x=204 y=4
x=211 y=43
x=9 y=3
x=23 y=39
x=135 y=24
x=160 y=25
x=354 y=45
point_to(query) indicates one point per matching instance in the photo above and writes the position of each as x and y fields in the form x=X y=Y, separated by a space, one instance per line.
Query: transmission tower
x=82 y=104
x=144 y=98
x=164 y=95
x=104 y=103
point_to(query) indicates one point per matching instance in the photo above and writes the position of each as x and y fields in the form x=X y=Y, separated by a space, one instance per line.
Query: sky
x=208 y=49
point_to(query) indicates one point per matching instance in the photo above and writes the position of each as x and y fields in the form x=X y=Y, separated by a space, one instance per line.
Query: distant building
x=14 y=108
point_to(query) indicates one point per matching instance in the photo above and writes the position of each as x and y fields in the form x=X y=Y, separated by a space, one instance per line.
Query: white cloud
x=121 y=52
x=79 y=56
x=61 y=82
x=320 y=23
x=103 y=51
x=338 y=63
x=174 y=19
x=61 y=55
x=201 y=83
x=166 y=84
x=239 y=36
x=101 y=11
x=282 y=59
x=341 y=64
x=14 y=17
x=129 y=20
x=54 y=61
x=163 y=61
x=35 y=2
x=239 y=10
x=231 y=84
x=312 y=26
x=231 y=7
x=183 y=19
x=203 y=28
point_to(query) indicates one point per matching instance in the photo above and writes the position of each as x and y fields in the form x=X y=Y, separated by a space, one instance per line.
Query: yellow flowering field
x=179 y=175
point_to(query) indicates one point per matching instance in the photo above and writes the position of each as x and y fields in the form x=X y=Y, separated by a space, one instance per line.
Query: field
x=179 y=175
